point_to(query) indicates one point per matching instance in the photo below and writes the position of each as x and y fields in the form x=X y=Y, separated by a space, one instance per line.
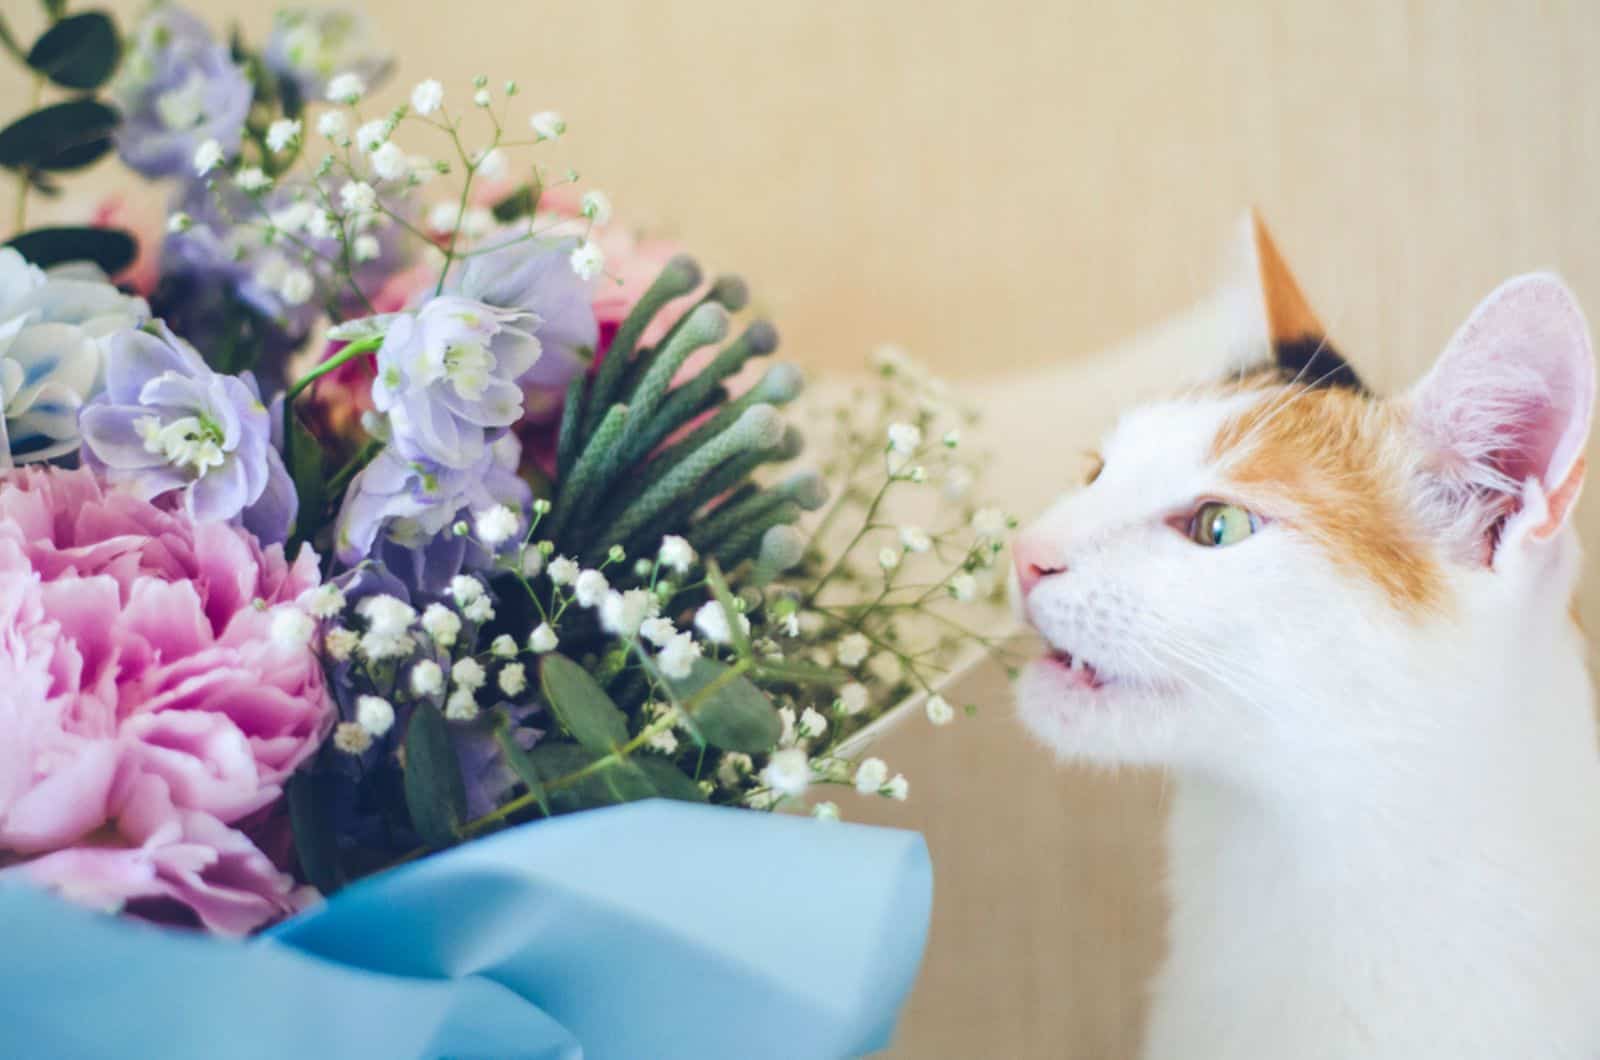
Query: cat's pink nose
x=1037 y=558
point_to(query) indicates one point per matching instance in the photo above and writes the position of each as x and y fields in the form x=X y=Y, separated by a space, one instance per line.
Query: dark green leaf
x=555 y=760
x=520 y=203
x=109 y=248
x=310 y=483
x=60 y=136
x=735 y=716
x=78 y=52
x=581 y=705
x=719 y=592
x=315 y=842
x=667 y=779
x=54 y=8
x=435 y=793
x=522 y=765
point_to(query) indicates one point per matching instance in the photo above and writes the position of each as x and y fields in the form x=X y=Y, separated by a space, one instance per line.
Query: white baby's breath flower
x=677 y=657
x=885 y=667
x=898 y=788
x=812 y=724
x=825 y=811
x=340 y=643
x=990 y=523
x=346 y=88
x=491 y=164
x=548 y=125
x=252 y=178
x=623 y=614
x=357 y=196
x=386 y=614
x=480 y=610
x=891 y=359
x=325 y=601
x=444 y=217
x=915 y=539
x=179 y=222
x=665 y=741
x=468 y=673
x=374 y=714
x=292 y=627
x=590 y=588
x=513 y=679
x=964 y=587
x=712 y=621
x=853 y=649
x=786 y=717
x=658 y=631
x=888 y=558
x=464 y=589
x=297 y=286
x=542 y=640
x=788 y=772
x=596 y=206
x=588 y=260
x=498 y=525
x=871 y=775
x=207 y=156
x=531 y=561
x=283 y=133
x=939 y=710
x=811 y=623
x=504 y=646
x=461 y=706
x=332 y=124
x=854 y=697
x=676 y=554
x=390 y=162
x=427 y=97
x=481 y=98
x=904 y=438
x=563 y=570
x=733 y=768
x=322 y=225
x=951 y=439
x=365 y=247
x=442 y=624
x=427 y=678
x=351 y=738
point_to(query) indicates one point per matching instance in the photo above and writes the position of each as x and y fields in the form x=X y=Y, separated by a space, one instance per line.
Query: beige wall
x=1001 y=184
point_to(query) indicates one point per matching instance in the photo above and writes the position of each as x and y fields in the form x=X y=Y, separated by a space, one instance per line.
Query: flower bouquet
x=393 y=505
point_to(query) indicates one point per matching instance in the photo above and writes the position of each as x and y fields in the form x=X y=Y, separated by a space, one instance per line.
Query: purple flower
x=310 y=46
x=178 y=88
x=412 y=500
x=168 y=423
x=447 y=377
x=535 y=276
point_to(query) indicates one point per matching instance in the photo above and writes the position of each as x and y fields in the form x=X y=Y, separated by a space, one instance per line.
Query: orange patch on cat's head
x=1321 y=454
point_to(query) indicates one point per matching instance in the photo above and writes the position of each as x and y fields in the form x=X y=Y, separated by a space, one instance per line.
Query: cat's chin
x=1082 y=712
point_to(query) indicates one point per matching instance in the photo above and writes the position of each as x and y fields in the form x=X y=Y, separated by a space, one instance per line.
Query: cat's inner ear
x=1505 y=412
x=1300 y=350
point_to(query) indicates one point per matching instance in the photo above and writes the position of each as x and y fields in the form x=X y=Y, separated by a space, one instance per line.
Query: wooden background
x=1001 y=186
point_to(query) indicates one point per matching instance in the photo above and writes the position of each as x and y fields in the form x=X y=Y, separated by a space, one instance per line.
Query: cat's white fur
x=1385 y=830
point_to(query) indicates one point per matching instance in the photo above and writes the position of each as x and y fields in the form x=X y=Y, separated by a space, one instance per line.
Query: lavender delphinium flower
x=412 y=499
x=178 y=87
x=166 y=422
x=535 y=275
x=447 y=377
x=52 y=328
x=309 y=46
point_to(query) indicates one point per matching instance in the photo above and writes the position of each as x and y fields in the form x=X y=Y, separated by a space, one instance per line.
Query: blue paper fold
x=651 y=930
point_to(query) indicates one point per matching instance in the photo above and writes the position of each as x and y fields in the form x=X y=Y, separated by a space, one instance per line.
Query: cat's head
x=1278 y=557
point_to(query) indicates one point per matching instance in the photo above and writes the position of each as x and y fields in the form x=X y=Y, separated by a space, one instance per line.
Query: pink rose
x=156 y=695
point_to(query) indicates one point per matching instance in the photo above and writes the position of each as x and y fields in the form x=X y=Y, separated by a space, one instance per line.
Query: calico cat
x=1343 y=624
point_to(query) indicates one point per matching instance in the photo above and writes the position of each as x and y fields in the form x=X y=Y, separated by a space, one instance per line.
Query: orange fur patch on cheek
x=1321 y=452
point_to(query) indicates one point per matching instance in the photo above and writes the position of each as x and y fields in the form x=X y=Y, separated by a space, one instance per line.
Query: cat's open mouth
x=1076 y=669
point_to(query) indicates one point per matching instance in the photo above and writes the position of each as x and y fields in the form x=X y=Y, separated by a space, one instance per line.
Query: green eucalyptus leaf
x=109 y=248
x=436 y=795
x=520 y=203
x=555 y=760
x=667 y=779
x=316 y=843
x=310 y=483
x=79 y=52
x=581 y=705
x=61 y=136
x=735 y=715
x=522 y=765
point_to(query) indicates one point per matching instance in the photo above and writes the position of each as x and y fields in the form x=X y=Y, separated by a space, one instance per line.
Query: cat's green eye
x=1217 y=524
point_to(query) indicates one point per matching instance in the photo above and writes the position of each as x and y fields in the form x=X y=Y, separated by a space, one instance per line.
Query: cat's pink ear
x=1509 y=401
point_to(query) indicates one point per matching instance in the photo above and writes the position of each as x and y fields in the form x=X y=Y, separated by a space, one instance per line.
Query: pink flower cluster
x=149 y=712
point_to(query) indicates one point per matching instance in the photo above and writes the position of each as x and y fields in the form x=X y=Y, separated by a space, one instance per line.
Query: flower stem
x=349 y=353
x=19 y=218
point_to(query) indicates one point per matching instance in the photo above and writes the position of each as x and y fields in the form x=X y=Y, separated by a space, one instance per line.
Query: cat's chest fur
x=1463 y=924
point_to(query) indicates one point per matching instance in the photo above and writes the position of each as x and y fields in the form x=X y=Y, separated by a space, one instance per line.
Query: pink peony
x=147 y=705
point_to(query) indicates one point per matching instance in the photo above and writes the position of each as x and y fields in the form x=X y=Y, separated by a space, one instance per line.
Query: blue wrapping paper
x=641 y=932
